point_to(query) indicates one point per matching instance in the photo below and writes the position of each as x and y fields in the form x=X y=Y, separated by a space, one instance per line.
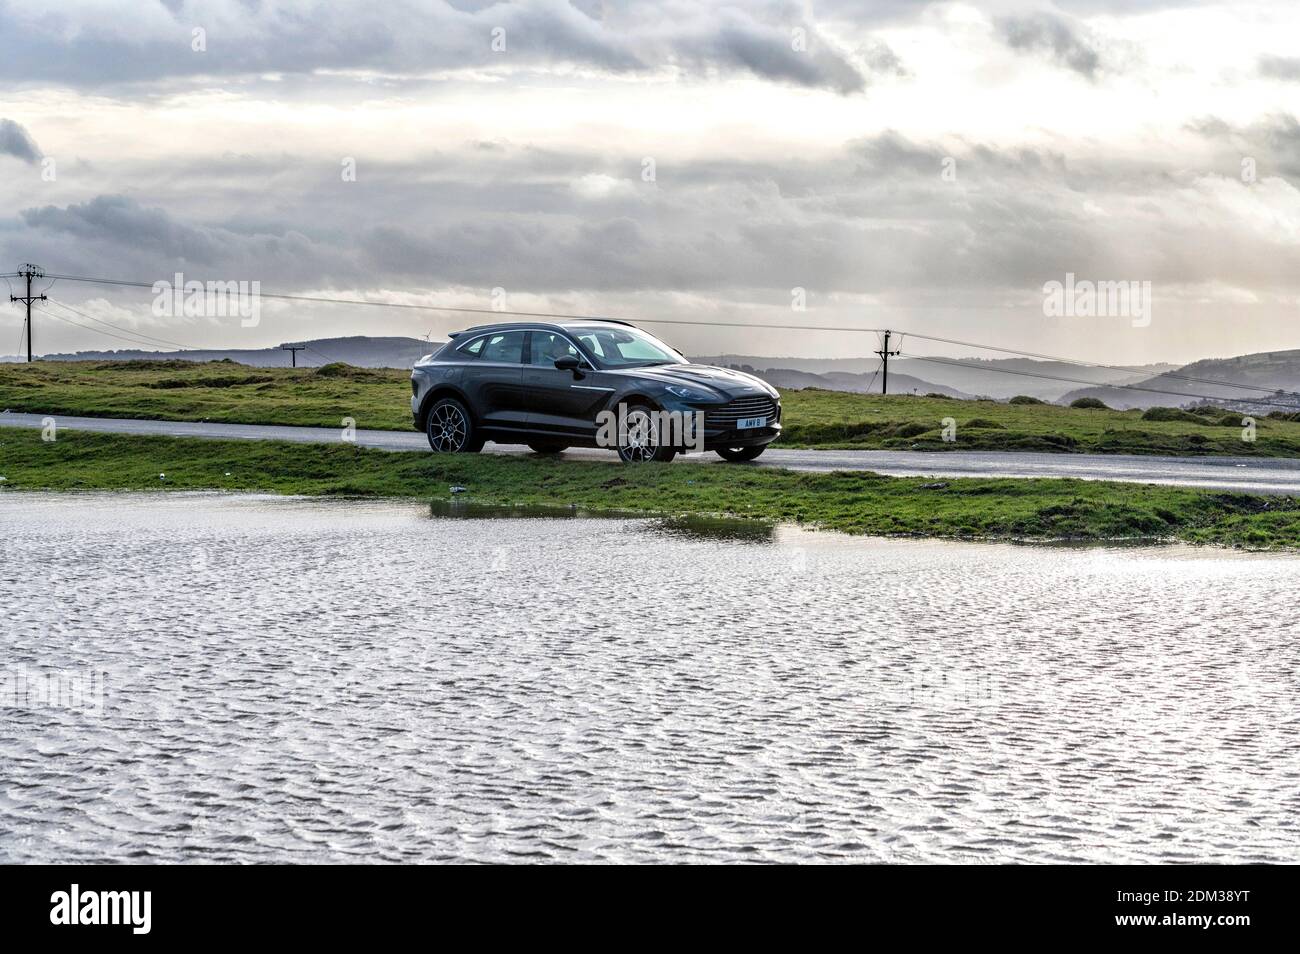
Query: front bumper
x=713 y=439
x=717 y=419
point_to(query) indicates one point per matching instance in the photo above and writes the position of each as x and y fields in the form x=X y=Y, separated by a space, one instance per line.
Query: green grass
x=210 y=391
x=854 y=502
x=322 y=397
x=835 y=419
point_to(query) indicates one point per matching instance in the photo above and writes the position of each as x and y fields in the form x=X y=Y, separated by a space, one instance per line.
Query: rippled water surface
x=330 y=681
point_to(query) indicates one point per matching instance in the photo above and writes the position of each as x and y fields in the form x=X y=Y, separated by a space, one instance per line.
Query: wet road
x=1246 y=474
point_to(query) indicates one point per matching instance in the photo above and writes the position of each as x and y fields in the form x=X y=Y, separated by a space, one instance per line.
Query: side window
x=506 y=346
x=593 y=343
x=547 y=347
x=474 y=348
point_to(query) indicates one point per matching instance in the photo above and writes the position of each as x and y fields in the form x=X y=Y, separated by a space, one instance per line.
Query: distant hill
x=857 y=383
x=996 y=377
x=1276 y=371
x=815 y=365
x=1006 y=377
x=359 y=350
x=1000 y=378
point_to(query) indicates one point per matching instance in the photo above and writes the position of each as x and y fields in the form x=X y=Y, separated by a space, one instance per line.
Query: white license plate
x=745 y=423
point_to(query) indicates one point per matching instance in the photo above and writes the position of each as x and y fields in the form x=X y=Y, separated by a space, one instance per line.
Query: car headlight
x=689 y=394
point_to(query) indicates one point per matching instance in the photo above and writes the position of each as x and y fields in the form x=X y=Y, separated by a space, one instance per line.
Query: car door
x=559 y=401
x=494 y=377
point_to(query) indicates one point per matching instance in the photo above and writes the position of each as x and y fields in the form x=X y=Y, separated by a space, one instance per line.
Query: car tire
x=738 y=454
x=450 y=428
x=642 y=446
x=548 y=450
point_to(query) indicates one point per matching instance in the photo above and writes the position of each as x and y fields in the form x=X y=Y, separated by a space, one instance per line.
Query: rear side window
x=506 y=346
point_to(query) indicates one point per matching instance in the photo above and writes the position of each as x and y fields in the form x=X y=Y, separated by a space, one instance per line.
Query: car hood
x=730 y=383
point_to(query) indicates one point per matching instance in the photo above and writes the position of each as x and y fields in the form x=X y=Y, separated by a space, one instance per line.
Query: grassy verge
x=378 y=398
x=835 y=419
x=854 y=502
x=210 y=391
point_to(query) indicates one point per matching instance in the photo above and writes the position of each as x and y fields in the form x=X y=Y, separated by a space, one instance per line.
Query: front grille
x=728 y=414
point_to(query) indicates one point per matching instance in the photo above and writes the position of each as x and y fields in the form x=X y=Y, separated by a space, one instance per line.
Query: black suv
x=594 y=383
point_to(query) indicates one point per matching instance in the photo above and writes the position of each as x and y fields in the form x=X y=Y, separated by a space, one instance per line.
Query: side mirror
x=569 y=362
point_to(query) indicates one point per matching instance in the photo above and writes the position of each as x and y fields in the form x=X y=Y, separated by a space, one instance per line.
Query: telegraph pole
x=29 y=272
x=885 y=355
x=293 y=352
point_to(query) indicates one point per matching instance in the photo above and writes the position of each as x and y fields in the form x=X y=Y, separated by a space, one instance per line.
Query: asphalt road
x=1247 y=474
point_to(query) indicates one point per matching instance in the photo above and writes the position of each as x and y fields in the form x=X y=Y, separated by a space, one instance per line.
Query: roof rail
x=613 y=321
x=556 y=320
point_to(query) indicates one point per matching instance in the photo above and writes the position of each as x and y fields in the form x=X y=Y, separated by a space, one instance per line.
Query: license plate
x=745 y=423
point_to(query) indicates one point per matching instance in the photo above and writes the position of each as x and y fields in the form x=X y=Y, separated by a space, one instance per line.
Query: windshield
x=626 y=347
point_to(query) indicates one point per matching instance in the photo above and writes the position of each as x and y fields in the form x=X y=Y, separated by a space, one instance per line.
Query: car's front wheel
x=451 y=430
x=737 y=454
x=639 y=442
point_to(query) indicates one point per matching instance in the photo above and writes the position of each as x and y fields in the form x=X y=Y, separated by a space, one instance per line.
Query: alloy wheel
x=642 y=438
x=447 y=428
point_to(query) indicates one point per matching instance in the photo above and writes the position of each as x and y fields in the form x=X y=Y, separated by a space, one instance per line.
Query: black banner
x=141 y=905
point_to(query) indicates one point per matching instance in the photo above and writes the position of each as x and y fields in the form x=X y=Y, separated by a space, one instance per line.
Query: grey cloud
x=117 y=234
x=1274 y=142
x=1128 y=7
x=1063 y=41
x=737 y=42
x=1211 y=127
x=877 y=218
x=15 y=141
x=1280 y=67
x=881 y=59
x=1280 y=136
x=99 y=46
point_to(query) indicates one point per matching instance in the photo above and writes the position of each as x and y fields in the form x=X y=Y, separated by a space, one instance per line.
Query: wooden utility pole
x=29 y=272
x=885 y=354
x=293 y=353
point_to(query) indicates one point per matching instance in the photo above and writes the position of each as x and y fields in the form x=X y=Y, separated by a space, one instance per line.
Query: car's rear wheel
x=639 y=439
x=450 y=428
x=548 y=449
x=737 y=454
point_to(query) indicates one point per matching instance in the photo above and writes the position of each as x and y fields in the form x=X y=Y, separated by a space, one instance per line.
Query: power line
x=1083 y=363
x=146 y=338
x=320 y=299
x=315 y=350
x=873 y=375
x=109 y=334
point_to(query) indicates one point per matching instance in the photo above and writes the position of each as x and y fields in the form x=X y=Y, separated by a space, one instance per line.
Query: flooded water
x=209 y=678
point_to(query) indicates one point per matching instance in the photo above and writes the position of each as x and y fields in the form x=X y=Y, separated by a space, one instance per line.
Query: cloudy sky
x=920 y=166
